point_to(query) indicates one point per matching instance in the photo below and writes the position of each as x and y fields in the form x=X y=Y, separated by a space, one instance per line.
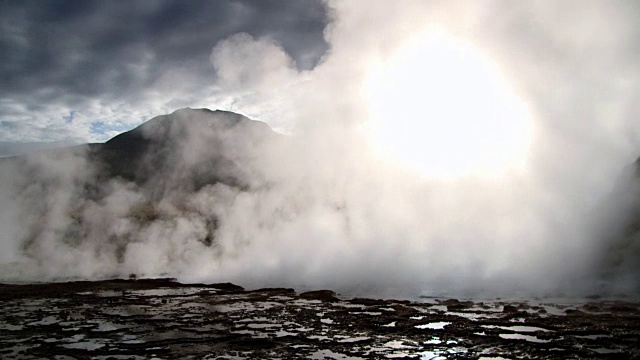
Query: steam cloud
x=318 y=209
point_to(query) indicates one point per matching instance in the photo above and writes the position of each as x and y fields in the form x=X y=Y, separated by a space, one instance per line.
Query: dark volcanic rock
x=509 y=309
x=456 y=305
x=323 y=295
x=161 y=318
x=368 y=302
x=227 y=287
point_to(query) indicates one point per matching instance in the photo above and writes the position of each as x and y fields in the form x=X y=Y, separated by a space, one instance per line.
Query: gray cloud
x=96 y=57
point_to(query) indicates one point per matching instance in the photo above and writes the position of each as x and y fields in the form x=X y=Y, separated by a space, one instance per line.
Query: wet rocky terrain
x=164 y=319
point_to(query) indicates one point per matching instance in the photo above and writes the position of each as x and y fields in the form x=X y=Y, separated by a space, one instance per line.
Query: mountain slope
x=186 y=149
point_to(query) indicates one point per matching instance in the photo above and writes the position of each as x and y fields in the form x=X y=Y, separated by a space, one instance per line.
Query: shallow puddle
x=439 y=325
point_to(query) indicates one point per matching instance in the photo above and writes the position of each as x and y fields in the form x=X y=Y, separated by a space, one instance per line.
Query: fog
x=319 y=208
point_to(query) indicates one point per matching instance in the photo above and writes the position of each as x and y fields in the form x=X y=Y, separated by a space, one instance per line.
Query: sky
x=434 y=142
x=83 y=71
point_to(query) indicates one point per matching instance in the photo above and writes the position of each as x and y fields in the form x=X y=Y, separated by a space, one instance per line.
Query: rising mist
x=318 y=208
x=215 y=196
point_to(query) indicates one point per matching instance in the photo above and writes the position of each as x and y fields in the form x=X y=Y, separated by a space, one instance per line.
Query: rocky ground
x=161 y=318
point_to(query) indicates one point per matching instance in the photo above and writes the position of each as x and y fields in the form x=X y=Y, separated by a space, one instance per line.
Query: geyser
x=214 y=196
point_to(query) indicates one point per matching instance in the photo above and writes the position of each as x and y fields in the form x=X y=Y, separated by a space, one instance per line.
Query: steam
x=320 y=209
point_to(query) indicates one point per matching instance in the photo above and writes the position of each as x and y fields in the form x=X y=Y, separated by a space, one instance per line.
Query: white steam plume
x=321 y=210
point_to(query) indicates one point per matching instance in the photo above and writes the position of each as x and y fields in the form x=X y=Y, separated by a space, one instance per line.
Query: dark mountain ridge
x=198 y=146
x=186 y=149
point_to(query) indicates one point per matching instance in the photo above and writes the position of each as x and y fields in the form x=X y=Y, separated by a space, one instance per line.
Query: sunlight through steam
x=439 y=106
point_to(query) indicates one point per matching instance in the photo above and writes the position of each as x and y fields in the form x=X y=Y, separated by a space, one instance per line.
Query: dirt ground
x=161 y=318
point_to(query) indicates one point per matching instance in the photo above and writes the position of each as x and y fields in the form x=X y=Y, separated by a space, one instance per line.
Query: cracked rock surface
x=161 y=318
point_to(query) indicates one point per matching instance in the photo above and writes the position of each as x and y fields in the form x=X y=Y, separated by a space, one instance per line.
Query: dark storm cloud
x=95 y=47
x=99 y=57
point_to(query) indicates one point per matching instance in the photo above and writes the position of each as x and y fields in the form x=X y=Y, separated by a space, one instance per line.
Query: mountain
x=186 y=149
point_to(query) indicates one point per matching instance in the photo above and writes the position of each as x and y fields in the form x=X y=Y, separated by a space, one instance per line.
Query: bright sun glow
x=440 y=106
